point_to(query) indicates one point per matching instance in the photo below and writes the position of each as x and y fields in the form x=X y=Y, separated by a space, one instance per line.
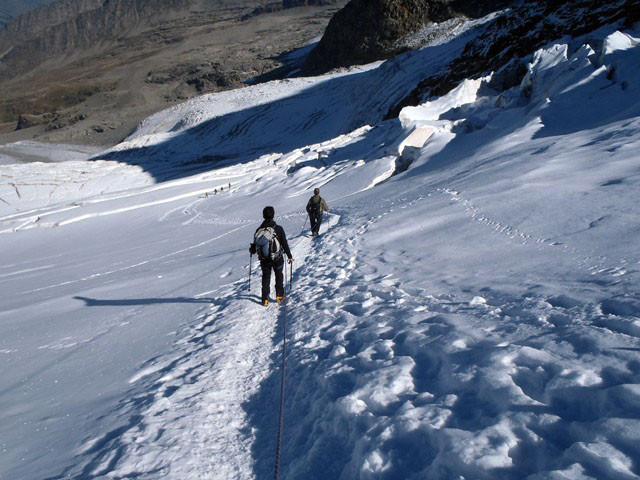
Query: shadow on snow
x=92 y=302
x=323 y=111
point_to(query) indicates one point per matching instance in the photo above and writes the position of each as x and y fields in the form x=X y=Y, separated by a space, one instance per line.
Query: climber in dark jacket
x=315 y=206
x=274 y=260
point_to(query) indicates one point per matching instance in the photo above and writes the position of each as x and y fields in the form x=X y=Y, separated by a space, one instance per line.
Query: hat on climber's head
x=268 y=213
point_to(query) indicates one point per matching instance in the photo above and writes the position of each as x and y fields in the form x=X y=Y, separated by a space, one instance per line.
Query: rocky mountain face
x=5 y=18
x=369 y=30
x=84 y=22
x=10 y=9
x=32 y=23
x=65 y=26
x=504 y=44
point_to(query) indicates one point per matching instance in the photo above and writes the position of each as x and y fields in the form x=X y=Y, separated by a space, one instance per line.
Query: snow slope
x=470 y=310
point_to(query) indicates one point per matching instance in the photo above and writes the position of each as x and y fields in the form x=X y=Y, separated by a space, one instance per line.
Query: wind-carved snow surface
x=470 y=310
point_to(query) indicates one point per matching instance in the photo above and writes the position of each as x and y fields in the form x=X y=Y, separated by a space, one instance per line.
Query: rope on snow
x=281 y=416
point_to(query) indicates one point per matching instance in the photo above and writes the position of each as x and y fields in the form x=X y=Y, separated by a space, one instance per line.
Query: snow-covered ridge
x=470 y=311
x=503 y=44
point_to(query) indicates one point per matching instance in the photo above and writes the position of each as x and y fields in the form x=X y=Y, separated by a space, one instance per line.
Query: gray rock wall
x=10 y=9
x=28 y=25
x=97 y=20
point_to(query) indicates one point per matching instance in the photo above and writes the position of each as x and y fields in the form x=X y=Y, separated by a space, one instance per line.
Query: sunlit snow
x=470 y=310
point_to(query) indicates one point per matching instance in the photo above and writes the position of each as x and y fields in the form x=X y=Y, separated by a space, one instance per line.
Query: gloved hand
x=290 y=260
x=252 y=249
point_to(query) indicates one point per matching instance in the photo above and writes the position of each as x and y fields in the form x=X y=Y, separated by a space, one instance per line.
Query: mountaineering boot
x=265 y=303
x=280 y=298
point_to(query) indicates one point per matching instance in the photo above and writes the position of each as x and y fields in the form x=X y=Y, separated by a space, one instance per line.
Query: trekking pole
x=305 y=222
x=290 y=277
x=250 y=262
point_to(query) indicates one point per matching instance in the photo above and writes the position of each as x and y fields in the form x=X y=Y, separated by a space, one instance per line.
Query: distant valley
x=88 y=71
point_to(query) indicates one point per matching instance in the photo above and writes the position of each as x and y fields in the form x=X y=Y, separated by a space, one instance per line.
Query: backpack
x=316 y=207
x=267 y=244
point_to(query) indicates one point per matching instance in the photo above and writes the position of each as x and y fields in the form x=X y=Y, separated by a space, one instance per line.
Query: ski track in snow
x=133 y=266
x=581 y=259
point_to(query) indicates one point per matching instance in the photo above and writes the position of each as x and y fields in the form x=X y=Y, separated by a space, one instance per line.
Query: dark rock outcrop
x=58 y=122
x=26 y=121
x=368 y=30
x=505 y=42
x=51 y=121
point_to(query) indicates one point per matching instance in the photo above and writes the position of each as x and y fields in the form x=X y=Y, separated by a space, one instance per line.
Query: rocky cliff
x=65 y=26
x=32 y=23
x=369 y=30
x=10 y=9
x=5 y=18
x=84 y=22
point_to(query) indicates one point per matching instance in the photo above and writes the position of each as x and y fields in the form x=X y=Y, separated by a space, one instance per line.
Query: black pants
x=316 y=219
x=267 y=266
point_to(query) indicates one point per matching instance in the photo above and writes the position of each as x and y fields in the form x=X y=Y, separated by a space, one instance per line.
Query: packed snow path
x=471 y=312
x=387 y=379
x=193 y=399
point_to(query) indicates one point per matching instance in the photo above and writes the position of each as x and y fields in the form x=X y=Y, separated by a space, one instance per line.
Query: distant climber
x=270 y=242
x=315 y=206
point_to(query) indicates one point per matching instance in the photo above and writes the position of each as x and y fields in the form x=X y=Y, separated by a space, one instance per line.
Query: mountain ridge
x=14 y=8
x=25 y=26
x=83 y=23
